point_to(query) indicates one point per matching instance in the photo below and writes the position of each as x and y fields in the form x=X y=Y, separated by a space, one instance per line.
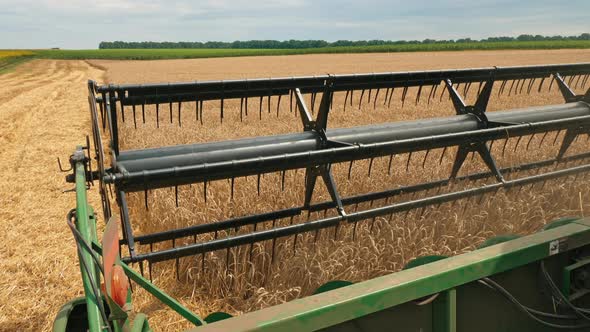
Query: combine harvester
x=538 y=282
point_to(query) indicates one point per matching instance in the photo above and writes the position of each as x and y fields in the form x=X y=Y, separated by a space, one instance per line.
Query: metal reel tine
x=522 y=85
x=577 y=81
x=531 y=83
x=408 y=163
x=541 y=85
x=283 y=180
x=241 y=109
x=435 y=90
x=145 y=197
x=143 y=112
x=529 y=142
x=442 y=93
x=157 y=115
x=389 y=165
x=350 y=169
x=346 y=99
x=246 y=106
x=134 y=117
x=176 y=195
x=150 y=271
x=376 y=96
x=517 y=142
x=418 y=94
x=466 y=90
x=370 y=167
x=405 y=91
x=551 y=82
x=369 y=96
x=205 y=191
x=232 y=188
x=221 y=111
x=556 y=136
x=260 y=108
x=258 y=183
x=425 y=157
x=543 y=138
x=390 y=96
x=295 y=243
x=386 y=96
x=442 y=155
x=313 y=96
x=279 y=105
x=170 y=110
x=502 y=86
x=291 y=100
x=268 y=102
x=201 y=111
x=179 y=112
x=511 y=86
x=361 y=99
x=430 y=94
x=504 y=148
x=351 y=96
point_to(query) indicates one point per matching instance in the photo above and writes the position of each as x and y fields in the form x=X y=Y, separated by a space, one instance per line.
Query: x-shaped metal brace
x=477 y=110
x=570 y=97
x=319 y=126
x=311 y=176
x=482 y=149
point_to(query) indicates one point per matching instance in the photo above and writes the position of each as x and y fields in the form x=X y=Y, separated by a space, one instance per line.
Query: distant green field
x=150 y=54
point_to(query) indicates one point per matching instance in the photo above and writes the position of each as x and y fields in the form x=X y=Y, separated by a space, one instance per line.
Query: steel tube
x=161 y=167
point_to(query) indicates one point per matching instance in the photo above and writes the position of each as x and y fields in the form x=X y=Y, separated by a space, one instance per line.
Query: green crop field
x=152 y=54
x=147 y=54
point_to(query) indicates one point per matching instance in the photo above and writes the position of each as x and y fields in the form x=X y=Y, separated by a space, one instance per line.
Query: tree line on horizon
x=295 y=44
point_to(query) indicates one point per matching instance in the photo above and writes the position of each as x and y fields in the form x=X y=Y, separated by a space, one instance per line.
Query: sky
x=74 y=24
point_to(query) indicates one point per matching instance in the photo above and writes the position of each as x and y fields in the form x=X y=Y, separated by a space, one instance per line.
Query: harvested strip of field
x=42 y=116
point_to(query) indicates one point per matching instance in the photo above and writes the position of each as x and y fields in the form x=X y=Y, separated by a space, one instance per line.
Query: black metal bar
x=199 y=248
x=114 y=130
x=231 y=89
x=284 y=152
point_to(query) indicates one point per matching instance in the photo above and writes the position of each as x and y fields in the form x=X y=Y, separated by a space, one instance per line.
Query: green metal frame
x=88 y=232
x=568 y=273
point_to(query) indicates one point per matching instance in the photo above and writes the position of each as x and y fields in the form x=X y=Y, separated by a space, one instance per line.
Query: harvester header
x=319 y=151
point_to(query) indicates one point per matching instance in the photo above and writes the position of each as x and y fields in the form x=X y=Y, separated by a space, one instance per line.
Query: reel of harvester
x=317 y=148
